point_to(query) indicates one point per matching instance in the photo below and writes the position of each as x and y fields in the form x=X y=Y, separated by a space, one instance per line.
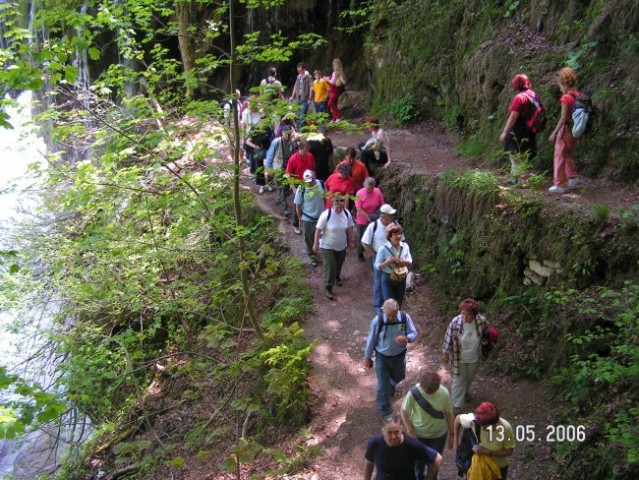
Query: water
x=18 y=148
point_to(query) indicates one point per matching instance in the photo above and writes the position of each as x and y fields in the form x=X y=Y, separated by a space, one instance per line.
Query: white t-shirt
x=378 y=239
x=334 y=235
x=470 y=343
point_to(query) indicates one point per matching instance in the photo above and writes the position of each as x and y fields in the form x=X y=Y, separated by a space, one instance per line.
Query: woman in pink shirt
x=367 y=202
x=565 y=172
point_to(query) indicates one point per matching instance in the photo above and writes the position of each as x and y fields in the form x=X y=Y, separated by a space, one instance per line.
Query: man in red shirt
x=299 y=162
x=359 y=172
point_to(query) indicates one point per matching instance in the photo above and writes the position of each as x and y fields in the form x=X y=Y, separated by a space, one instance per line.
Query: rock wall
x=473 y=239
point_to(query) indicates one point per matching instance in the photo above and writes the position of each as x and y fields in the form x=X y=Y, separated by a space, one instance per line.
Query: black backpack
x=464 y=453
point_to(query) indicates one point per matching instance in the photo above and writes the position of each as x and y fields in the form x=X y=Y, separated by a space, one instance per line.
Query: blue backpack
x=464 y=453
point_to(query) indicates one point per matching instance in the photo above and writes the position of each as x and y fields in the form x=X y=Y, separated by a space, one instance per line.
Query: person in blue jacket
x=390 y=333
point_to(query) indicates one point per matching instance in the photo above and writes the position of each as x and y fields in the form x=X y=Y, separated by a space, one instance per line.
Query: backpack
x=536 y=120
x=381 y=324
x=464 y=453
x=582 y=111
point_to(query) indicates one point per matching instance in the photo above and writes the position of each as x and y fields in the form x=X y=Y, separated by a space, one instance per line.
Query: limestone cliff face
x=457 y=58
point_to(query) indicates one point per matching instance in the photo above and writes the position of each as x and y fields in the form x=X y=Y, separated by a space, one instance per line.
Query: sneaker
x=339 y=282
x=313 y=262
x=572 y=182
x=328 y=293
x=269 y=188
x=297 y=230
x=361 y=258
x=557 y=189
x=261 y=189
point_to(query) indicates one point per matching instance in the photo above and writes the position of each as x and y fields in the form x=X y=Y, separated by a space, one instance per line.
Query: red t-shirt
x=521 y=101
x=359 y=173
x=297 y=165
x=338 y=185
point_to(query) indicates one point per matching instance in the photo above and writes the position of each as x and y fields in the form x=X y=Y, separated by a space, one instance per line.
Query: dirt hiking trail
x=344 y=413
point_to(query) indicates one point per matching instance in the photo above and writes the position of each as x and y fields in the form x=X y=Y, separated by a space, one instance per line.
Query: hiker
x=309 y=202
x=277 y=157
x=393 y=455
x=302 y=92
x=368 y=200
x=462 y=349
x=359 y=172
x=320 y=92
x=258 y=140
x=564 y=170
x=518 y=140
x=427 y=413
x=390 y=332
x=298 y=163
x=340 y=183
x=334 y=232
x=376 y=151
x=393 y=260
x=373 y=239
x=271 y=87
x=322 y=150
x=337 y=83
x=496 y=439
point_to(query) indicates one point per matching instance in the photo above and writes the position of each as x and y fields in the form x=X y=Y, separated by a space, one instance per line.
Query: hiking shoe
x=297 y=230
x=557 y=189
x=328 y=293
x=572 y=182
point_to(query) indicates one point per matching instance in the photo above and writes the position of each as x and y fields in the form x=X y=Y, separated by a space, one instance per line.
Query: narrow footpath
x=343 y=390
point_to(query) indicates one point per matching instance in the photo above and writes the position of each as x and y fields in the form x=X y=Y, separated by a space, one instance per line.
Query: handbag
x=398 y=273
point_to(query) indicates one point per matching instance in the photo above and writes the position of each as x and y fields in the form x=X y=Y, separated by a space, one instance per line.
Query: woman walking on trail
x=393 y=260
x=496 y=439
x=337 y=83
x=368 y=200
x=564 y=171
x=462 y=347
x=333 y=233
x=519 y=141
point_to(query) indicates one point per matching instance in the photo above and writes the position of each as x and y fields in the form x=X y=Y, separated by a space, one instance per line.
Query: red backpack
x=536 y=119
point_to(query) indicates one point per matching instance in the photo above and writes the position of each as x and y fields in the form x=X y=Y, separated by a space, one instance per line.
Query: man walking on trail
x=309 y=204
x=299 y=162
x=390 y=333
x=302 y=92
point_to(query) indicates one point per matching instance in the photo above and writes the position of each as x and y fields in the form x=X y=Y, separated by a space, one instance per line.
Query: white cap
x=386 y=209
x=309 y=176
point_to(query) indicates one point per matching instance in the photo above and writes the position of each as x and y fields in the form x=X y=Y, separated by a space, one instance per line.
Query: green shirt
x=426 y=426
